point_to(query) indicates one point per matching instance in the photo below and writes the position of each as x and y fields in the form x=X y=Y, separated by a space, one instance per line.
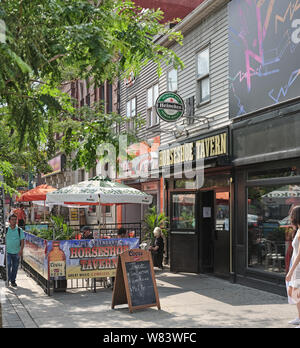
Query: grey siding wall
x=213 y=31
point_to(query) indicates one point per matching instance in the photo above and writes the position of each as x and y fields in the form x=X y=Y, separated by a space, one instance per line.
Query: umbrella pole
x=99 y=235
x=103 y=216
x=44 y=211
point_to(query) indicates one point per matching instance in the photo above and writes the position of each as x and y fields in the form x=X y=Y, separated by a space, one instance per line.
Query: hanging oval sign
x=169 y=106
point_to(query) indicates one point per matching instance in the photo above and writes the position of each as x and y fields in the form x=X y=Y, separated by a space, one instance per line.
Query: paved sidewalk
x=187 y=301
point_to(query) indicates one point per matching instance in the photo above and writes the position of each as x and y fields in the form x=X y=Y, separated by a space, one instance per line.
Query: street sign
x=169 y=106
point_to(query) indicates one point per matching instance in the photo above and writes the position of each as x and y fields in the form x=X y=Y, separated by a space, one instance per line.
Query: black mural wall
x=264 y=53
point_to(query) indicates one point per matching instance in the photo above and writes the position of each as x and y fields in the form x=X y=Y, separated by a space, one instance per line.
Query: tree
x=44 y=39
x=89 y=128
x=16 y=164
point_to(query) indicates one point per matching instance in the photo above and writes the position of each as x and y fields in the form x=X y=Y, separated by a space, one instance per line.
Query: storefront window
x=185 y=184
x=222 y=211
x=275 y=173
x=183 y=208
x=210 y=181
x=269 y=228
x=216 y=181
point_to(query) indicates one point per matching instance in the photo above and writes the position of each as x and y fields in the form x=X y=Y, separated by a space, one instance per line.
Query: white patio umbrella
x=282 y=195
x=97 y=191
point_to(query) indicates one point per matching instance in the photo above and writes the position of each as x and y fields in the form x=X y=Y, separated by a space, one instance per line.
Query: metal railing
x=50 y=286
x=109 y=230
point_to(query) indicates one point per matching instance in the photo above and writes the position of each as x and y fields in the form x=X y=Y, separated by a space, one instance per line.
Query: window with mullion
x=203 y=76
x=130 y=113
x=152 y=95
x=172 y=80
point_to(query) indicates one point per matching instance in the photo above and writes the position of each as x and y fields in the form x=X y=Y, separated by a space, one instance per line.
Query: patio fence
x=110 y=230
x=36 y=263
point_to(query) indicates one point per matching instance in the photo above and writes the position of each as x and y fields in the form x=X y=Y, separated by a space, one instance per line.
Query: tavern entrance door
x=206 y=230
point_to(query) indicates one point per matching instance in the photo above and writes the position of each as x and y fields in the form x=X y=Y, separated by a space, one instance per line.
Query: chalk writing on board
x=140 y=283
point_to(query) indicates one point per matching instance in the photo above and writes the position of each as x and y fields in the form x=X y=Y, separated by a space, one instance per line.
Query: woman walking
x=293 y=276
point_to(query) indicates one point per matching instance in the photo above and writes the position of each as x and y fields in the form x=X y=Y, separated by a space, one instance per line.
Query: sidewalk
x=187 y=301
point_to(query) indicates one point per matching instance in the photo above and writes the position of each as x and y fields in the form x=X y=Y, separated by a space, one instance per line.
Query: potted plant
x=60 y=230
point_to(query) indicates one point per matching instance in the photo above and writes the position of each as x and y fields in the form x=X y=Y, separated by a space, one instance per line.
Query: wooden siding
x=213 y=31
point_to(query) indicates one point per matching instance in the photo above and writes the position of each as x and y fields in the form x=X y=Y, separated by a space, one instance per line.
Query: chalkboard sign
x=135 y=281
x=140 y=283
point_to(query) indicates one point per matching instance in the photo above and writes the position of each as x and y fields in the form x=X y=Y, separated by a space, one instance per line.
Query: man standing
x=14 y=248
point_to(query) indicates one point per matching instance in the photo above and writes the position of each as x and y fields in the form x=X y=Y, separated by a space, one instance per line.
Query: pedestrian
x=122 y=232
x=14 y=248
x=21 y=216
x=290 y=235
x=293 y=276
x=157 y=248
x=87 y=233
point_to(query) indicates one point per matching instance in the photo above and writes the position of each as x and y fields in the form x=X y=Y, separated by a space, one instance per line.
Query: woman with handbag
x=293 y=276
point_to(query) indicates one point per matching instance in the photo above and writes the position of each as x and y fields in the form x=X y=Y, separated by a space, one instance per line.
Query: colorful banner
x=75 y=259
x=35 y=253
x=2 y=255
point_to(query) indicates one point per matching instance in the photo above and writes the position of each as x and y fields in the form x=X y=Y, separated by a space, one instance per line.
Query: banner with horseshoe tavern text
x=74 y=259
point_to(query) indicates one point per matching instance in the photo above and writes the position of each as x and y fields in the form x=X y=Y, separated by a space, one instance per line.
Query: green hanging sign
x=169 y=106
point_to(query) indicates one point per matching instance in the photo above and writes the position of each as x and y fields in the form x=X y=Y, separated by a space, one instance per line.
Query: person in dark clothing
x=87 y=233
x=122 y=232
x=157 y=248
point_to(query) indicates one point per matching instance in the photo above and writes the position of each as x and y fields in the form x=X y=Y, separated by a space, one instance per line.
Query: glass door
x=206 y=231
x=222 y=234
x=183 y=211
x=183 y=237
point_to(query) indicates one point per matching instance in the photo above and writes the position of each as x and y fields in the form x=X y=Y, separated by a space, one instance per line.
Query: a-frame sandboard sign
x=135 y=281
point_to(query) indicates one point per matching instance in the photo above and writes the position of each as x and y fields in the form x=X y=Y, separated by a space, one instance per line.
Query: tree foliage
x=17 y=164
x=45 y=38
x=49 y=42
x=89 y=128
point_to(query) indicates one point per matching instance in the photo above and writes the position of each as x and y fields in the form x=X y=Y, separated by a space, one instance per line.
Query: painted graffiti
x=264 y=51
